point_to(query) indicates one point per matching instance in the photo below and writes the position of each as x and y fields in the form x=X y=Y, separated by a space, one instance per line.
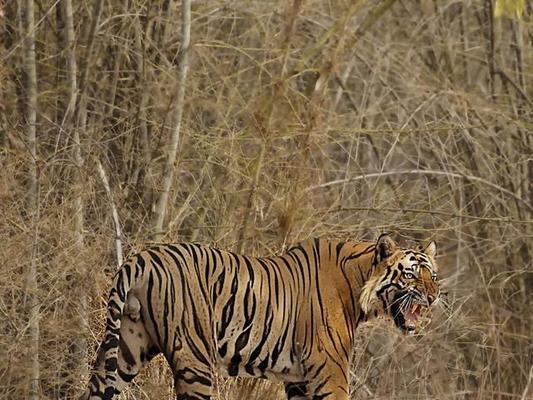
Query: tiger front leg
x=193 y=379
x=296 y=391
x=328 y=379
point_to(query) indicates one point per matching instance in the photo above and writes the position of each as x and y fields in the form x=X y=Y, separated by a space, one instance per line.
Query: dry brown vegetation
x=301 y=118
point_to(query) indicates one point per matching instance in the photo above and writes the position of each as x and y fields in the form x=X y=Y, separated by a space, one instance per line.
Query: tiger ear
x=385 y=246
x=431 y=249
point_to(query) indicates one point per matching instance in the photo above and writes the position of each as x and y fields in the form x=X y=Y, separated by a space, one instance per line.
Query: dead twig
x=422 y=172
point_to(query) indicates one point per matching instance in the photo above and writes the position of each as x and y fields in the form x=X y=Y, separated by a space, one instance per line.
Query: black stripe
x=151 y=314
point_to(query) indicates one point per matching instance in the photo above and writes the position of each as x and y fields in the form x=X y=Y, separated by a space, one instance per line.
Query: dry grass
x=298 y=122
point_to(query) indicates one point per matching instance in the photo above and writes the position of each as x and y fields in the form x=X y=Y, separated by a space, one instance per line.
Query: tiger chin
x=291 y=318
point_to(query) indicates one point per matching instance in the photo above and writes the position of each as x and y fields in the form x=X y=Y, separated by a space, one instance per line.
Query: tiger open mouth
x=412 y=316
x=408 y=314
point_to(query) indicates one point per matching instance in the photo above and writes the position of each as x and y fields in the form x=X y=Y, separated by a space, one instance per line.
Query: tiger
x=291 y=318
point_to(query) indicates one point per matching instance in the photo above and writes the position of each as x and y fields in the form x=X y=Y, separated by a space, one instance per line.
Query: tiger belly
x=264 y=355
x=283 y=371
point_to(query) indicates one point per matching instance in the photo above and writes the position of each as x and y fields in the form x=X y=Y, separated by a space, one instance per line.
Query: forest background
x=251 y=125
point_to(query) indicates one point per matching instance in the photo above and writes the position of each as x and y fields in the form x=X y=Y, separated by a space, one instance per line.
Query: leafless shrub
x=304 y=118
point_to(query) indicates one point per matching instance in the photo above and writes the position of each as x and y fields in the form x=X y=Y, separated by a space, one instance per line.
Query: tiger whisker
x=400 y=299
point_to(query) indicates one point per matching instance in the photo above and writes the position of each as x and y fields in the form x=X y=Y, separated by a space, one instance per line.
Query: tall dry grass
x=305 y=118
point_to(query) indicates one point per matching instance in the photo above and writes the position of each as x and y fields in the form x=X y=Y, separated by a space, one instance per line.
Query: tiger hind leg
x=136 y=349
x=193 y=382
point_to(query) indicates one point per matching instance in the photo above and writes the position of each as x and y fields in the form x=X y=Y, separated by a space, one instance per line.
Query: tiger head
x=403 y=284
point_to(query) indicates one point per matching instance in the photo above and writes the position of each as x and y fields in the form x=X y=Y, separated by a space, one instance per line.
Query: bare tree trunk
x=78 y=360
x=30 y=104
x=168 y=172
x=66 y=16
x=525 y=188
x=143 y=180
x=489 y=11
x=81 y=110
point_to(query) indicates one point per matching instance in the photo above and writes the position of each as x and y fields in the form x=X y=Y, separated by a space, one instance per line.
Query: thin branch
x=30 y=108
x=529 y=379
x=428 y=212
x=518 y=89
x=422 y=172
x=97 y=12
x=114 y=213
x=374 y=16
x=29 y=33
x=317 y=47
x=168 y=174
